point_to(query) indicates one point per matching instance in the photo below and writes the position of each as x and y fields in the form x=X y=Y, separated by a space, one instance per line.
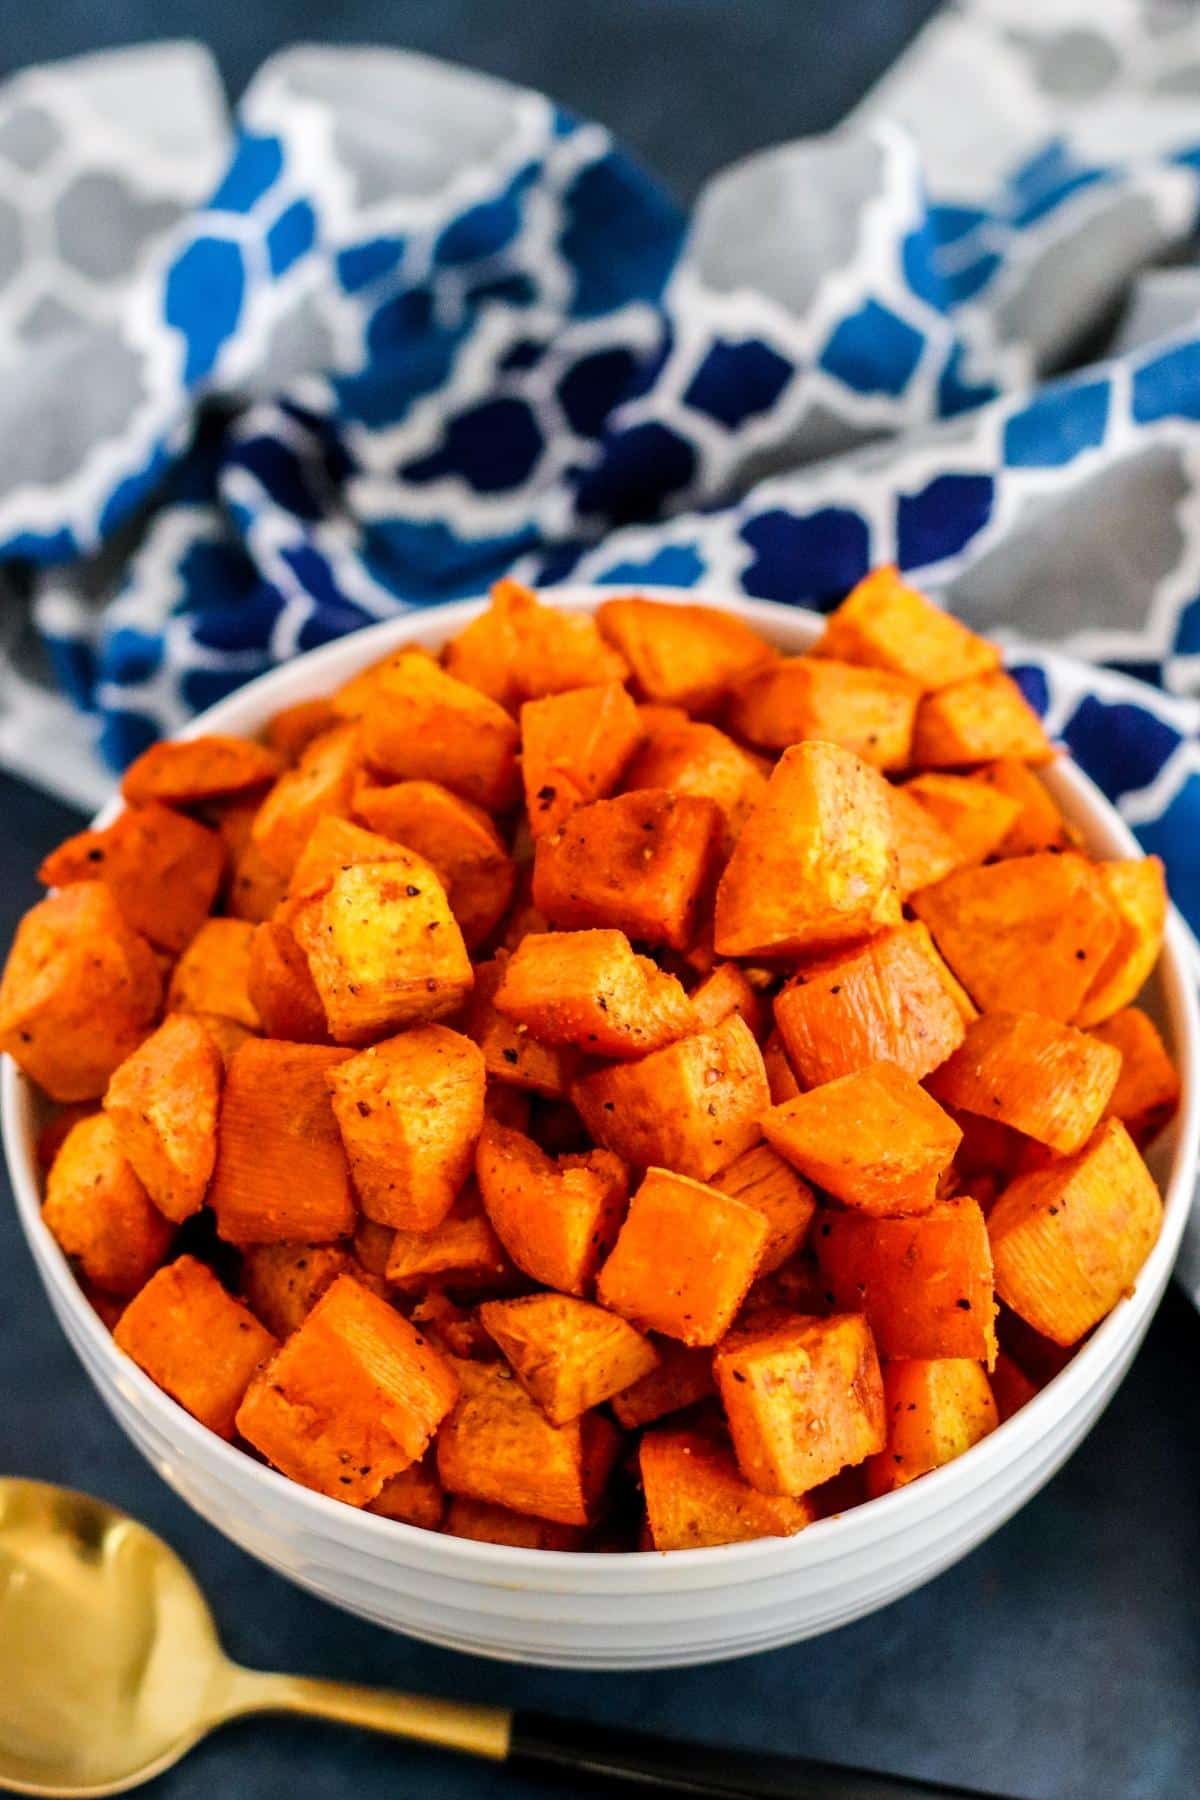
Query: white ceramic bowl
x=626 y=1611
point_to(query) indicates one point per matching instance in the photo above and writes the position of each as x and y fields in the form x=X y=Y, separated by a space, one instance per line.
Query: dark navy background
x=1059 y=1662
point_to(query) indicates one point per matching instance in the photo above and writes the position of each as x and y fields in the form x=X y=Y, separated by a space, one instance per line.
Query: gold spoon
x=110 y=1670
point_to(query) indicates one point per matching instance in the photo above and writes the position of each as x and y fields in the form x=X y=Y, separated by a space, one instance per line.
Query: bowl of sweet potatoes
x=610 y=1130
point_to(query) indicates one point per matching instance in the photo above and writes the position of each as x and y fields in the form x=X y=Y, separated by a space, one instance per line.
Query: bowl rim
x=317 y=672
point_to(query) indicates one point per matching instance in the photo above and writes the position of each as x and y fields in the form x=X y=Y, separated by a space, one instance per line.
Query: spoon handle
x=481 y=1731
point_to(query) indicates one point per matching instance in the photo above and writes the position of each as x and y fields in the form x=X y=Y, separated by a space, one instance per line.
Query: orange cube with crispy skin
x=727 y=989
x=815 y=865
x=213 y=973
x=292 y=729
x=321 y=782
x=332 y=845
x=462 y=1252
x=681 y=1378
x=498 y=1446
x=410 y=1111
x=936 y=1410
x=696 y=1495
x=557 y=1220
x=195 y=1341
x=354 y=1397
x=574 y=747
x=519 y=649
x=485 y=1523
x=281 y=1283
x=642 y=863
x=690 y=757
x=692 y=1107
x=567 y=1354
x=764 y=1180
x=924 y=852
x=682 y=655
x=164 y=870
x=1038 y=825
x=1069 y=1240
x=804 y=1399
x=924 y=1283
x=684 y=1259
x=1147 y=1090
x=99 y=1213
x=511 y=1053
x=281 y=1171
x=457 y=840
x=975 y=816
x=885 y=624
x=163 y=1102
x=413 y=1497
x=280 y=986
x=191 y=770
x=868 y=711
x=978 y=721
x=1026 y=935
x=1029 y=1072
x=422 y=724
x=1138 y=893
x=80 y=991
x=589 y=989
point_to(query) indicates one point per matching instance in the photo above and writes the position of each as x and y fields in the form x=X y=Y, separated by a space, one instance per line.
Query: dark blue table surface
x=1061 y=1661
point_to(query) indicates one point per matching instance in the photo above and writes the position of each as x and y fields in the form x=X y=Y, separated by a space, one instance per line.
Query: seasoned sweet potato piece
x=164 y=870
x=696 y=1495
x=227 y=1034
x=688 y=656
x=281 y=1283
x=195 y=1341
x=868 y=711
x=681 y=1377
x=567 y=1354
x=280 y=986
x=557 y=1220
x=684 y=1259
x=815 y=864
x=410 y=1111
x=498 y=1446
x=925 y=1284
x=781 y=1077
x=924 y=852
x=728 y=989
x=804 y=1399
x=1039 y=825
x=457 y=840
x=975 y=816
x=353 y=1398
x=764 y=1180
x=321 y=782
x=519 y=649
x=1011 y=1387
x=885 y=624
x=80 y=991
x=463 y=1251
x=936 y=1409
x=978 y=721
x=511 y=1054
x=642 y=863
x=100 y=1214
x=162 y=1103
x=53 y=1134
x=213 y=974
x=1069 y=1240
x=488 y=1524
x=256 y=886
x=187 y=772
x=574 y=747
x=587 y=988
x=452 y=1327
x=690 y=757
x=875 y=1140
x=281 y=1172
x=335 y=844
x=422 y=724
x=1138 y=893
x=292 y=729
x=1147 y=1090
x=1026 y=935
x=692 y=1107
x=413 y=1497
x=1032 y=1073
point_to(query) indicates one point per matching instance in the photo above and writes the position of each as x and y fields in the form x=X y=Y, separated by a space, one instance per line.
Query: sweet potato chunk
x=463 y=1251
x=335 y=844
x=924 y=852
x=681 y=1377
x=574 y=747
x=281 y=1171
x=1147 y=1090
x=413 y=1497
x=642 y=863
x=281 y=1283
x=100 y=1214
x=684 y=1259
x=690 y=757
x=692 y=1107
x=765 y=1181
x=815 y=864
x=353 y=1398
x=975 y=816
x=781 y=1077
x=978 y=721
x=1031 y=1073
x=1039 y=825
x=1068 y=1240
x=162 y=1103
x=1138 y=893
x=557 y=1220
x=587 y=988
x=511 y=1054
x=213 y=974
x=688 y=656
x=925 y=1284
x=935 y=1411
x=321 y=782
x=875 y=1140
x=804 y=1399
x=1026 y=935
x=696 y=1495
x=484 y=1523
x=868 y=711
x=519 y=649
x=727 y=989
x=410 y=1111
x=424 y=725
x=197 y=769
x=498 y=1446
x=567 y=1354
x=164 y=870
x=280 y=986
x=885 y=624
x=80 y=991
x=195 y=1341
x=292 y=729
x=457 y=840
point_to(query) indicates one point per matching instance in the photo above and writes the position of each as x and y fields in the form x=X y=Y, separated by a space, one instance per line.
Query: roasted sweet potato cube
x=681 y=1378
x=292 y=729
x=1038 y=1076
x=764 y=1180
x=1039 y=825
x=281 y=1283
x=1138 y=893
x=463 y=1251
x=227 y=1034
x=924 y=852
x=925 y=1283
x=213 y=973
x=688 y=656
x=163 y=1102
x=567 y=1354
x=80 y=991
x=936 y=1409
x=453 y=1327
x=868 y=711
x=195 y=1341
x=100 y=1214
x=804 y=1399
x=1147 y=1090
x=696 y=1495
x=1068 y=1240
x=978 y=721
x=728 y=989
x=281 y=1173
x=574 y=747
x=424 y=725
x=885 y=1001
x=589 y=989
x=815 y=865
x=885 y=624
x=692 y=1107
x=875 y=1140
x=684 y=1259
x=413 y=1497
x=410 y=1111
x=354 y=1397
x=498 y=1446
x=457 y=840
x=321 y=782
x=188 y=771
x=280 y=986
x=1011 y=1387
x=164 y=870
x=781 y=1077
x=511 y=1054
x=519 y=649
x=256 y=886
x=975 y=816
x=332 y=845
x=484 y=1523
x=557 y=1220
x=642 y=863
x=690 y=757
